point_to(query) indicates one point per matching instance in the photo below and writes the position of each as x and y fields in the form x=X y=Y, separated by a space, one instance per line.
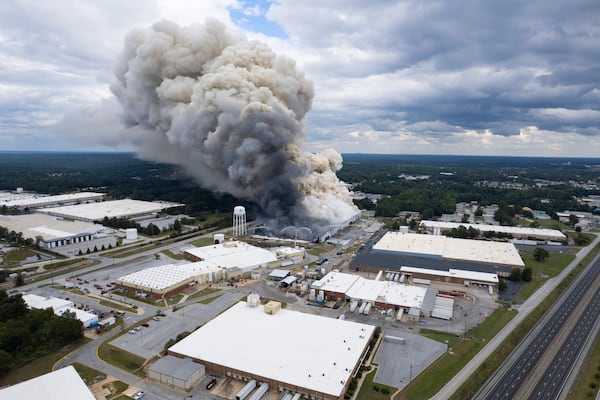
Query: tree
x=527 y=274
x=573 y=220
x=19 y=280
x=540 y=254
x=515 y=275
x=177 y=227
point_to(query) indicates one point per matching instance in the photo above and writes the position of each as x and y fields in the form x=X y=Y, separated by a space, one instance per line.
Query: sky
x=462 y=77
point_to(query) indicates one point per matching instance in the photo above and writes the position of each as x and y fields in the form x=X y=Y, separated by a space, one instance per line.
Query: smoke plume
x=231 y=112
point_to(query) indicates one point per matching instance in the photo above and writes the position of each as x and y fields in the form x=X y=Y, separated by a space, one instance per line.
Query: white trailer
x=260 y=392
x=246 y=390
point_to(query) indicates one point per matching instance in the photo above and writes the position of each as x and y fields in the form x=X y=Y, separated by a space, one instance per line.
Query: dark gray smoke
x=231 y=112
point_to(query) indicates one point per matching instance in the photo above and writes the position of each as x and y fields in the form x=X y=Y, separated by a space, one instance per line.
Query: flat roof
x=33 y=200
x=179 y=368
x=233 y=255
x=336 y=281
x=110 y=209
x=518 y=230
x=48 y=227
x=158 y=278
x=450 y=248
x=236 y=339
x=50 y=386
x=388 y=292
x=40 y=302
x=455 y=273
x=279 y=273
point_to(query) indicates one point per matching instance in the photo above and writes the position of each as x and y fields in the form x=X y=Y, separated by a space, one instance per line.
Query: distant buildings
x=441 y=227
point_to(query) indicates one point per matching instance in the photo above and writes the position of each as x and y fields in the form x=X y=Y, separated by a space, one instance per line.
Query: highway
x=548 y=334
x=524 y=309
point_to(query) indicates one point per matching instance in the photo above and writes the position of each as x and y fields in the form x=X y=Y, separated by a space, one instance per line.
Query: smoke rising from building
x=232 y=113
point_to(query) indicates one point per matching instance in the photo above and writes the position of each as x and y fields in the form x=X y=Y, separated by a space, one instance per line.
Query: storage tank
x=131 y=234
x=246 y=390
x=321 y=296
x=311 y=295
x=219 y=237
x=253 y=299
x=260 y=392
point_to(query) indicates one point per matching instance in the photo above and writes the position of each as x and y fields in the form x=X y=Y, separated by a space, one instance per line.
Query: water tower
x=239 y=221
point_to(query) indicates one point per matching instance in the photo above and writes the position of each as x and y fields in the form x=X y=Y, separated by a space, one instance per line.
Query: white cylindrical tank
x=321 y=296
x=312 y=295
x=131 y=234
x=219 y=238
x=253 y=299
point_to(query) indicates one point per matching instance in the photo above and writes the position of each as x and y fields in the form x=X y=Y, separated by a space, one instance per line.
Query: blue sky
x=411 y=77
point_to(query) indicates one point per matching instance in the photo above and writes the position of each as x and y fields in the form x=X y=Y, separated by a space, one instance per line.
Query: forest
x=27 y=334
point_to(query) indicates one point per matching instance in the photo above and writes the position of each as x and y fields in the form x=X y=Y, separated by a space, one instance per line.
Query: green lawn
x=61 y=264
x=553 y=224
x=542 y=270
x=210 y=299
x=123 y=359
x=460 y=351
x=318 y=250
x=116 y=388
x=39 y=366
x=373 y=391
x=89 y=374
x=589 y=379
x=17 y=255
x=206 y=241
x=203 y=292
x=174 y=256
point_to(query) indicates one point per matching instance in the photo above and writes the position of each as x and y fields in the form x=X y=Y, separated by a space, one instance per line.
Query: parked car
x=145 y=325
x=156 y=318
x=132 y=332
x=138 y=395
x=211 y=384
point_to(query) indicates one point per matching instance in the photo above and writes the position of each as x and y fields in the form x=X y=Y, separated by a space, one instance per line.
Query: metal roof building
x=53 y=231
x=30 y=200
x=62 y=384
x=176 y=372
x=515 y=231
x=235 y=344
x=126 y=208
x=233 y=255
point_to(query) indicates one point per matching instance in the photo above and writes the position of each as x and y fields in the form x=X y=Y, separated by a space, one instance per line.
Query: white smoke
x=231 y=112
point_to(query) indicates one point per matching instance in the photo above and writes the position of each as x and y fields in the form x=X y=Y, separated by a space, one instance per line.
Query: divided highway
x=517 y=369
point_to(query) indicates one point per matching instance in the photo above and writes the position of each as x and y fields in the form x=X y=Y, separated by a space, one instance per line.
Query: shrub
x=385 y=390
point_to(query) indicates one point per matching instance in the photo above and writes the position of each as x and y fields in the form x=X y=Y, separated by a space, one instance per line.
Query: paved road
x=524 y=310
x=506 y=382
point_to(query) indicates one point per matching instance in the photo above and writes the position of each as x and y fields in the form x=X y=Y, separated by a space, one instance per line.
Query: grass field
x=542 y=270
x=64 y=263
x=203 y=292
x=39 y=366
x=374 y=391
x=88 y=374
x=115 y=388
x=122 y=359
x=174 y=256
x=589 y=380
x=210 y=299
x=202 y=242
x=460 y=351
x=17 y=255
x=318 y=250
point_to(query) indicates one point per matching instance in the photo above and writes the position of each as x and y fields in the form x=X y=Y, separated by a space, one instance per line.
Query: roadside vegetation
x=542 y=269
x=88 y=374
x=460 y=351
x=589 y=380
x=493 y=362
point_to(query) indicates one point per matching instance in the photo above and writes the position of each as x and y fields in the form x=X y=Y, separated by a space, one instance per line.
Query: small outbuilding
x=278 y=274
x=179 y=373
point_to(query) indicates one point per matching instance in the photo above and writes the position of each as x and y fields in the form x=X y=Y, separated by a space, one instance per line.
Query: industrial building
x=235 y=254
x=126 y=208
x=24 y=200
x=397 y=249
x=441 y=227
x=62 y=384
x=326 y=351
x=60 y=306
x=176 y=373
x=383 y=294
x=457 y=276
x=54 y=232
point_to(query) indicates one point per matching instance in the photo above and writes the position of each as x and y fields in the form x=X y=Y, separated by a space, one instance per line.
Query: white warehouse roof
x=514 y=230
x=450 y=248
x=455 y=273
x=236 y=339
x=40 y=302
x=158 y=278
x=233 y=255
x=110 y=209
x=51 y=386
x=48 y=227
x=37 y=200
x=359 y=288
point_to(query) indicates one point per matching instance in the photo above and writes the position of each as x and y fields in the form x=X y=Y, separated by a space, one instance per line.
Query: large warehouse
x=126 y=208
x=50 y=386
x=326 y=351
x=23 y=201
x=234 y=254
x=397 y=249
x=437 y=227
x=54 y=232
